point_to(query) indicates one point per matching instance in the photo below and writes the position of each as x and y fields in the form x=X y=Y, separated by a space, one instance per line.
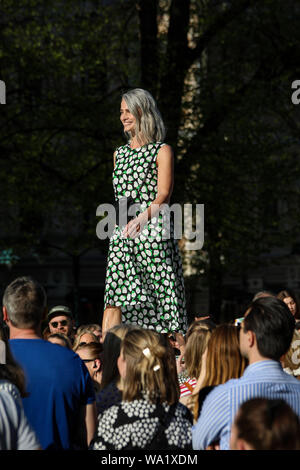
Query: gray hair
x=149 y=123
x=25 y=302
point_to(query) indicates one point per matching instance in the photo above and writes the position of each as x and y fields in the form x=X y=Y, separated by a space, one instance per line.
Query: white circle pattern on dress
x=144 y=275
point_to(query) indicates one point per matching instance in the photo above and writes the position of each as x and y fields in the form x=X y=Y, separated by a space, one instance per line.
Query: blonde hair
x=223 y=361
x=150 y=367
x=195 y=347
x=149 y=123
x=79 y=336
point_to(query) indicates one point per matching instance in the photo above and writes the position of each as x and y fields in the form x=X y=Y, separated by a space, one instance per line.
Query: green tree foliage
x=221 y=72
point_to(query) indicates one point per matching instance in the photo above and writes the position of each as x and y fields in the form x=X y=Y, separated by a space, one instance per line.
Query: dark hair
x=95 y=349
x=273 y=324
x=263 y=293
x=25 y=302
x=268 y=425
x=111 y=352
x=11 y=370
x=283 y=294
x=63 y=337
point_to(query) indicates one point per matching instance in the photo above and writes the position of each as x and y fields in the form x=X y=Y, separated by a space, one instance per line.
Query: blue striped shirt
x=260 y=379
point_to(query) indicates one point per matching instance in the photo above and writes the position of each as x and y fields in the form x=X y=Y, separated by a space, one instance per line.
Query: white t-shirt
x=15 y=431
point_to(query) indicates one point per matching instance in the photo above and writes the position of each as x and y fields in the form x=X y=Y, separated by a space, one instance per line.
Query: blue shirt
x=261 y=379
x=58 y=384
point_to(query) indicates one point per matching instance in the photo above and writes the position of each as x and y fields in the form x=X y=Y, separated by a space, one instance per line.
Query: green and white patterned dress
x=144 y=275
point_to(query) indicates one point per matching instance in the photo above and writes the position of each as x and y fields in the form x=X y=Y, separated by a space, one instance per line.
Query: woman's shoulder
x=9 y=388
x=121 y=147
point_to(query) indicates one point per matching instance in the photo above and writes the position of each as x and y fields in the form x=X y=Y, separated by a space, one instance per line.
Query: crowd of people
x=228 y=386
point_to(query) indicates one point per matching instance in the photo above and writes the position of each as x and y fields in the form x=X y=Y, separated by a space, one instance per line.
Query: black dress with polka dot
x=144 y=275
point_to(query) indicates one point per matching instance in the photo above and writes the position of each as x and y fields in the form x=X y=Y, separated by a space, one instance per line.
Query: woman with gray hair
x=144 y=279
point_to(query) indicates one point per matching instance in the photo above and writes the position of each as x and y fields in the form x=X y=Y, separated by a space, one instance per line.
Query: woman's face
x=291 y=304
x=87 y=357
x=127 y=119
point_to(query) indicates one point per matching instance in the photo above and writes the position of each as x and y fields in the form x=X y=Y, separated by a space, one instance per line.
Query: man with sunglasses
x=60 y=320
x=60 y=405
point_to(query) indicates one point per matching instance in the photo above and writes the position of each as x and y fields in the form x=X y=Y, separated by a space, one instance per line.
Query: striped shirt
x=187 y=387
x=261 y=379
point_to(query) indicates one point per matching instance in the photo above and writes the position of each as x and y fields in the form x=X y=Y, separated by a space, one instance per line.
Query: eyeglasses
x=88 y=360
x=56 y=323
x=84 y=343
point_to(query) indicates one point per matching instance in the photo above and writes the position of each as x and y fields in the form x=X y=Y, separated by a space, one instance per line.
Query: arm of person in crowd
x=213 y=418
x=86 y=427
x=90 y=421
x=165 y=182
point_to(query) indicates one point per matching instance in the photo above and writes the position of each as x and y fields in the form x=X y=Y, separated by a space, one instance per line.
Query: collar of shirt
x=262 y=366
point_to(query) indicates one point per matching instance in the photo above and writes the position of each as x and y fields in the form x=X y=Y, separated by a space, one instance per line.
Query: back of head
x=196 y=344
x=273 y=324
x=95 y=349
x=263 y=293
x=150 y=367
x=224 y=360
x=25 y=302
x=61 y=338
x=268 y=425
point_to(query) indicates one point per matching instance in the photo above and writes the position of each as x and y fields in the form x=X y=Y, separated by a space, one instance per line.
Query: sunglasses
x=62 y=323
x=84 y=343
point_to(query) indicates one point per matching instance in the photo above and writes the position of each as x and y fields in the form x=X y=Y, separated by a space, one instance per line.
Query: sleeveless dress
x=144 y=275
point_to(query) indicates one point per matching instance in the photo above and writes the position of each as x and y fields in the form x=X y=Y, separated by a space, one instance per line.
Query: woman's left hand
x=135 y=226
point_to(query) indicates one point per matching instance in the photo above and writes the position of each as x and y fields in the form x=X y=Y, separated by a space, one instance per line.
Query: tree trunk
x=175 y=68
x=149 y=45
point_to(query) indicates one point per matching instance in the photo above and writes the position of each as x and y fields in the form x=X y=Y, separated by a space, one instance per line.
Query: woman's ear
x=97 y=365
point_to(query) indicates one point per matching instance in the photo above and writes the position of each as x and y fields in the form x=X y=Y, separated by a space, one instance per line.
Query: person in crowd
x=15 y=431
x=92 y=355
x=60 y=405
x=263 y=293
x=291 y=360
x=92 y=328
x=265 y=424
x=222 y=361
x=290 y=298
x=84 y=337
x=265 y=336
x=60 y=338
x=150 y=415
x=111 y=388
x=143 y=170
x=189 y=363
x=60 y=320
